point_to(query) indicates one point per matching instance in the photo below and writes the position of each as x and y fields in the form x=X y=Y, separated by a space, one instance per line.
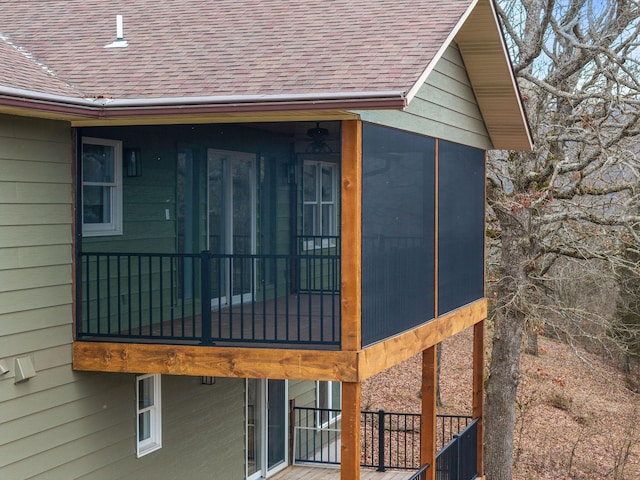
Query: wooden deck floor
x=298 y=472
x=303 y=320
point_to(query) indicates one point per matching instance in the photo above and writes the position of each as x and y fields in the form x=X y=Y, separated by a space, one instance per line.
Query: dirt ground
x=575 y=418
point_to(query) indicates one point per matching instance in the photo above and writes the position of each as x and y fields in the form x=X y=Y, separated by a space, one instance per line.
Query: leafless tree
x=577 y=66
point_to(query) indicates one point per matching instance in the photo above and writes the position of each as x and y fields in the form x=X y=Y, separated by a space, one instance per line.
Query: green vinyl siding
x=444 y=107
x=34 y=235
x=303 y=392
x=63 y=424
x=203 y=436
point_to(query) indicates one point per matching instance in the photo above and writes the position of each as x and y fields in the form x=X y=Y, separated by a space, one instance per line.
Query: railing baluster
x=381 y=441
x=205 y=272
x=254 y=285
x=287 y=280
x=161 y=279
x=119 y=294
x=129 y=298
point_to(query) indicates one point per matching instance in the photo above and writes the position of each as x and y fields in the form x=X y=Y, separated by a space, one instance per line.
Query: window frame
x=154 y=441
x=318 y=203
x=114 y=226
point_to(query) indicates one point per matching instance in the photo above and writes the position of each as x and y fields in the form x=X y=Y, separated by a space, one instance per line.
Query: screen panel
x=461 y=209
x=398 y=201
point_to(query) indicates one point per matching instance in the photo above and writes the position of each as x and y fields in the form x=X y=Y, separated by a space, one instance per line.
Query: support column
x=478 y=390
x=428 y=425
x=350 y=432
x=351 y=290
x=351 y=235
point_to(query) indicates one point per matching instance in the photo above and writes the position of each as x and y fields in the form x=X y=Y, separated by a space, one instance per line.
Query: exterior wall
x=445 y=107
x=63 y=424
x=303 y=392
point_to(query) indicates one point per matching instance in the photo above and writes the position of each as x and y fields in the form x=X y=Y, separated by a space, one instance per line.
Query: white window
x=149 y=418
x=101 y=187
x=320 y=214
x=328 y=400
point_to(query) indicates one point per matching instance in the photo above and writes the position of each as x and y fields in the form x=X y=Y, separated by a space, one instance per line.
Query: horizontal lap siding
x=63 y=424
x=36 y=293
x=35 y=238
x=445 y=107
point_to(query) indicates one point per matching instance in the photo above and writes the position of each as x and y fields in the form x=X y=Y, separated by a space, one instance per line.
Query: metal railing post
x=205 y=295
x=457 y=457
x=381 y=442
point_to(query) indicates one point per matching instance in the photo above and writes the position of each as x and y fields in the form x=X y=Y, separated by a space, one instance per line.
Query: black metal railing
x=390 y=440
x=420 y=474
x=316 y=434
x=458 y=459
x=447 y=426
x=317 y=272
x=208 y=298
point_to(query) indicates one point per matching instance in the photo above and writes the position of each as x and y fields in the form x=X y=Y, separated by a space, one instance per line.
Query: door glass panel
x=310 y=183
x=327 y=183
x=309 y=219
x=232 y=223
x=242 y=202
x=276 y=423
x=216 y=238
x=254 y=445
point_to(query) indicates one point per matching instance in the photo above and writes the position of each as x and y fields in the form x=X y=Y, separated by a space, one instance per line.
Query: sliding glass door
x=232 y=222
x=266 y=427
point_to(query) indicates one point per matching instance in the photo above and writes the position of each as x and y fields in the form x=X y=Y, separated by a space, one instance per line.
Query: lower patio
x=299 y=472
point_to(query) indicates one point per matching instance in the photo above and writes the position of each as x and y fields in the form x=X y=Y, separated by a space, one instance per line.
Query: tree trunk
x=504 y=371
x=532 y=342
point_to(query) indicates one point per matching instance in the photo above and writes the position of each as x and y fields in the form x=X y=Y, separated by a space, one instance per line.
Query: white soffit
x=487 y=62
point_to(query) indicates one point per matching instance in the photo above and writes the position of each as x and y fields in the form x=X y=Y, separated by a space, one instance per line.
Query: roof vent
x=119 y=42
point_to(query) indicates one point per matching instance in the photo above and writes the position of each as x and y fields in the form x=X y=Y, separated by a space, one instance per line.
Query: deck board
x=299 y=472
x=294 y=321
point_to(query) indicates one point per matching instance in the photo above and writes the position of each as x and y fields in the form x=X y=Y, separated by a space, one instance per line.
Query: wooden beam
x=428 y=447
x=351 y=235
x=216 y=361
x=350 y=432
x=478 y=390
x=249 y=117
x=394 y=350
x=328 y=365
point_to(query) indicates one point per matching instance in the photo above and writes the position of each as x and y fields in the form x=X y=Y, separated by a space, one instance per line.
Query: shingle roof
x=18 y=70
x=186 y=48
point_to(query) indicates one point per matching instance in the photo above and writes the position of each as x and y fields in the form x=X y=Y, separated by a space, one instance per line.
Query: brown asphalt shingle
x=183 y=48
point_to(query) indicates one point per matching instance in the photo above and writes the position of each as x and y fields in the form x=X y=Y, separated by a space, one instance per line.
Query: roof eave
x=489 y=68
x=75 y=108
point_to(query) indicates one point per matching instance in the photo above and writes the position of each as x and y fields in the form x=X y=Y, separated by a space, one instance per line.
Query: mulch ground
x=576 y=419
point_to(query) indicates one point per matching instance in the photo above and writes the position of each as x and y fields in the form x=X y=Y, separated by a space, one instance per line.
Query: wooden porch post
x=478 y=390
x=350 y=432
x=351 y=298
x=428 y=426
